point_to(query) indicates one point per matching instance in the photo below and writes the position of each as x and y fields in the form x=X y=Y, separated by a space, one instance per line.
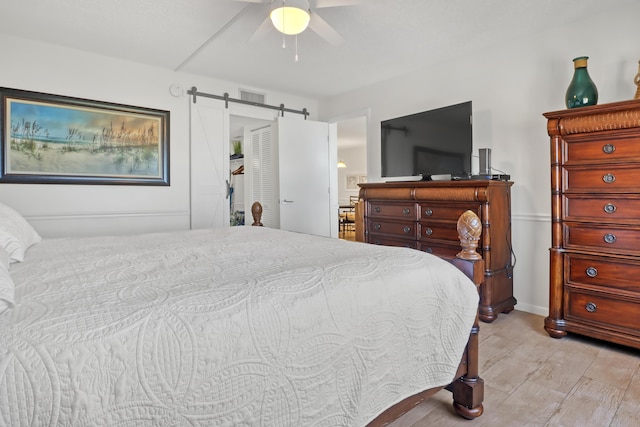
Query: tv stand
x=423 y=215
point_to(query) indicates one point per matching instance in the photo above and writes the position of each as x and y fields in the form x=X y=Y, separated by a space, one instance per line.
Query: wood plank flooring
x=532 y=379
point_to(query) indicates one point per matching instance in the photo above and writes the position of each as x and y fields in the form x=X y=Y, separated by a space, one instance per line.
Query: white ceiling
x=382 y=38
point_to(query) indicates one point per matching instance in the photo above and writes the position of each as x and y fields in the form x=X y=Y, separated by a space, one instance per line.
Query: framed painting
x=54 y=139
x=352 y=182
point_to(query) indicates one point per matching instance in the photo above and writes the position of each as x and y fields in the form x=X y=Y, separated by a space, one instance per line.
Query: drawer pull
x=610 y=238
x=592 y=271
x=591 y=307
x=610 y=208
x=428 y=231
x=609 y=178
x=406 y=229
x=376 y=209
x=406 y=211
x=609 y=148
x=428 y=212
x=377 y=226
x=429 y=250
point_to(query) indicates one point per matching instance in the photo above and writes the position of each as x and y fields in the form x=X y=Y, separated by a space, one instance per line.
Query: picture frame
x=352 y=182
x=56 y=139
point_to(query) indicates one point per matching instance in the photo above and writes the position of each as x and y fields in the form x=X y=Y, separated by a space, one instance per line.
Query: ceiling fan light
x=290 y=17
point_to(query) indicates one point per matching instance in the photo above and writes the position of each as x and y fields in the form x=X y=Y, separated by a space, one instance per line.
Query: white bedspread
x=246 y=326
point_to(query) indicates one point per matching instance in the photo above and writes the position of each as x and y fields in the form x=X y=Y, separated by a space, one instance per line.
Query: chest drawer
x=616 y=240
x=448 y=212
x=605 y=208
x=400 y=210
x=602 y=179
x=604 y=309
x=598 y=151
x=400 y=229
x=610 y=273
x=438 y=231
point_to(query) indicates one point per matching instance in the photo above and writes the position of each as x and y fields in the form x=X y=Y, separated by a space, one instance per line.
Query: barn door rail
x=281 y=108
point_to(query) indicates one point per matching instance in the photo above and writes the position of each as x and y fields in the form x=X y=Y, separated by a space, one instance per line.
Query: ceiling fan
x=314 y=21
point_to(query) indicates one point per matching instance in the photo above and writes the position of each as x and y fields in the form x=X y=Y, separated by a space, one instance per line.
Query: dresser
x=423 y=216
x=595 y=222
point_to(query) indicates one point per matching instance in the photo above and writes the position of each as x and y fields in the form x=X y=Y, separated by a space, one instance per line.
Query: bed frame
x=468 y=387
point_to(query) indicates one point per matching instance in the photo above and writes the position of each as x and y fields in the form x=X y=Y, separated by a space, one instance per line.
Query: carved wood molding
x=599 y=118
x=600 y=122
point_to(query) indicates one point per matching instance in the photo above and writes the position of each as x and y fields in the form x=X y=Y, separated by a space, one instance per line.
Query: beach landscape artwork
x=55 y=139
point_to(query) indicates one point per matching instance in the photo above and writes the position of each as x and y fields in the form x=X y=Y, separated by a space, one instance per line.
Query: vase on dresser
x=581 y=91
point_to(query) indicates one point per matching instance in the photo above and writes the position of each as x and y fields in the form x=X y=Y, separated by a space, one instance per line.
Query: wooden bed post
x=468 y=390
x=256 y=212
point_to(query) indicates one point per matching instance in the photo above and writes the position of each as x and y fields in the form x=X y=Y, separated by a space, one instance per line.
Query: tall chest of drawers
x=594 y=288
x=423 y=215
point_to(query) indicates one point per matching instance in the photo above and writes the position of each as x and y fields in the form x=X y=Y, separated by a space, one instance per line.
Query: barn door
x=209 y=164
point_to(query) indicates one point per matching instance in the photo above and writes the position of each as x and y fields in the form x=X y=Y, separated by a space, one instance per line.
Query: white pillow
x=7 y=289
x=16 y=234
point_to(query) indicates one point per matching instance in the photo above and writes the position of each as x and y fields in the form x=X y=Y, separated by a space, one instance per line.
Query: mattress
x=244 y=326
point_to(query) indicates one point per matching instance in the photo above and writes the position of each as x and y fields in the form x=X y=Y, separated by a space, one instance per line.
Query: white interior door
x=304 y=176
x=209 y=164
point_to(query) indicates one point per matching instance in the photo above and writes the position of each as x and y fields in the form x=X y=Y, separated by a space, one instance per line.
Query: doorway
x=351 y=169
x=242 y=130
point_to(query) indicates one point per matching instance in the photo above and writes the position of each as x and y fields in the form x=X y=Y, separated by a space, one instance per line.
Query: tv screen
x=433 y=142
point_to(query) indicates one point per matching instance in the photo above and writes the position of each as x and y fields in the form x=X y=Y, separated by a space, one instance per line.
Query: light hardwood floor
x=348 y=234
x=532 y=379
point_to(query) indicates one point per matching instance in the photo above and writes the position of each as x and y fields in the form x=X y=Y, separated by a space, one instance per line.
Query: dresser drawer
x=377 y=239
x=603 y=208
x=602 y=179
x=599 y=151
x=438 y=231
x=401 y=229
x=610 y=273
x=617 y=240
x=448 y=212
x=605 y=309
x=399 y=210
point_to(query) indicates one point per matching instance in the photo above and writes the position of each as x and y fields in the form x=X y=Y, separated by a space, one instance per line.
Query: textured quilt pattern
x=246 y=326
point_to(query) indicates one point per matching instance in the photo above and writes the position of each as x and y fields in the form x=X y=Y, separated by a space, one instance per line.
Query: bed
x=243 y=326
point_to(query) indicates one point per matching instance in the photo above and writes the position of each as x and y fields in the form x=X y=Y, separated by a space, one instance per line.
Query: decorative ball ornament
x=256 y=212
x=469 y=230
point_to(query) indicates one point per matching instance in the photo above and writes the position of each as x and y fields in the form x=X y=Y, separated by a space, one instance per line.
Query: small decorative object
x=636 y=80
x=237 y=147
x=237 y=150
x=256 y=212
x=469 y=231
x=581 y=91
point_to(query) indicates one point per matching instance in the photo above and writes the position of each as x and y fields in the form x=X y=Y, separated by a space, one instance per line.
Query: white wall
x=511 y=85
x=59 y=210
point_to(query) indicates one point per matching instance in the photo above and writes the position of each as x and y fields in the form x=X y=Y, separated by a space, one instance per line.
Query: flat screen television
x=434 y=142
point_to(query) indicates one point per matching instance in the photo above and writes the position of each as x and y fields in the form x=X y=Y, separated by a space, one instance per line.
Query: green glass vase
x=581 y=91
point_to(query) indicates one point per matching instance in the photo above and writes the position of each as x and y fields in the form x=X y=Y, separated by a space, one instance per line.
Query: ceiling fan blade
x=262 y=31
x=324 y=30
x=335 y=3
